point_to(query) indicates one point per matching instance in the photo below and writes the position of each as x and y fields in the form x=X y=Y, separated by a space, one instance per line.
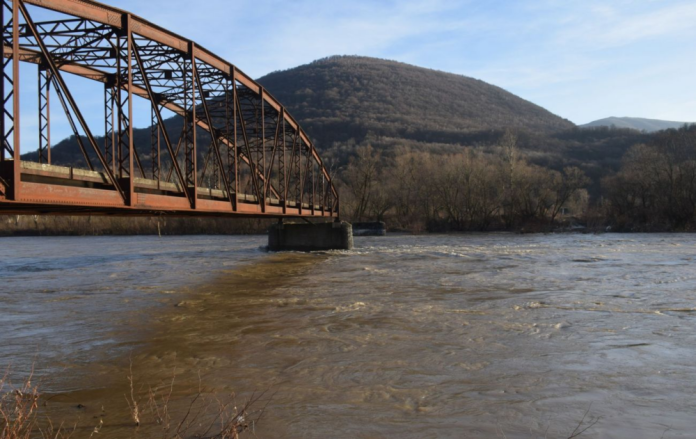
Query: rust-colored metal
x=44 y=115
x=258 y=159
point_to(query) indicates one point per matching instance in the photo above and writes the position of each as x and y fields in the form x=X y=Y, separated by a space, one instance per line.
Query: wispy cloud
x=604 y=26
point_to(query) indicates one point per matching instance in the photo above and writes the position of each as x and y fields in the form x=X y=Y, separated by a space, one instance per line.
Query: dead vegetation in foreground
x=204 y=417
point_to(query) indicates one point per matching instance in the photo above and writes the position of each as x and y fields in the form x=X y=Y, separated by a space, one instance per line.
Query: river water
x=433 y=336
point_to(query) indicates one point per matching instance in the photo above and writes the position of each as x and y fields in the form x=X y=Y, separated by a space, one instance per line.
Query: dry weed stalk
x=580 y=429
x=19 y=412
x=18 y=407
x=132 y=403
x=206 y=417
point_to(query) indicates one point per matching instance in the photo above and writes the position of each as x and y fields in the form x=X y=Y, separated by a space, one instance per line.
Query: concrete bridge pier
x=310 y=237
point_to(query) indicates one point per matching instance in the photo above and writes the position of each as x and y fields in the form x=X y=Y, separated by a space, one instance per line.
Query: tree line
x=655 y=189
x=501 y=189
x=468 y=190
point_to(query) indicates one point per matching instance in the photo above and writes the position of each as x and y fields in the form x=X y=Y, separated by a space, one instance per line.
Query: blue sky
x=582 y=60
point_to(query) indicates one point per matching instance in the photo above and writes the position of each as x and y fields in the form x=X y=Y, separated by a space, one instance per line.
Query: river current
x=433 y=336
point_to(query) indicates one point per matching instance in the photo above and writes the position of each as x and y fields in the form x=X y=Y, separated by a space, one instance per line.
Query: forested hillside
x=348 y=97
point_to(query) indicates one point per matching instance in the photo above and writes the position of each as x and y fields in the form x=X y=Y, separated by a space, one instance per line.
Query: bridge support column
x=310 y=237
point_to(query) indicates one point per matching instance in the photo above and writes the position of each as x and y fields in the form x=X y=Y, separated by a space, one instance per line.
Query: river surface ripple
x=455 y=336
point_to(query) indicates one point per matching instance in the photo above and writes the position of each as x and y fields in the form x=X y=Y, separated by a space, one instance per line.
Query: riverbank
x=38 y=225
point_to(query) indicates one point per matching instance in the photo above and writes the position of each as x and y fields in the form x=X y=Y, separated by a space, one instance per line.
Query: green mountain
x=635 y=123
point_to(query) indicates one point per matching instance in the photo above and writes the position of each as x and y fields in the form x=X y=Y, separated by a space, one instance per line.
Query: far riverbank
x=40 y=225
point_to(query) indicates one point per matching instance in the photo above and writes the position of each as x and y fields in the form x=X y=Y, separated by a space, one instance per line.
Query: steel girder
x=238 y=151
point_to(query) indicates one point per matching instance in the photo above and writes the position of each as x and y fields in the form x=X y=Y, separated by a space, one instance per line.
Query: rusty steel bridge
x=236 y=150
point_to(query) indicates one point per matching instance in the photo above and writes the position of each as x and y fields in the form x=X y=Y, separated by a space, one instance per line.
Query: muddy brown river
x=437 y=336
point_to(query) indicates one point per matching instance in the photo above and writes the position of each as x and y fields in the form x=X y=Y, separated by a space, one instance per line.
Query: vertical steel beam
x=16 y=176
x=129 y=72
x=110 y=93
x=231 y=126
x=300 y=180
x=290 y=168
x=283 y=171
x=263 y=152
x=44 y=115
x=190 y=147
x=124 y=107
x=305 y=179
x=215 y=179
x=118 y=96
x=154 y=143
x=314 y=188
x=323 y=193
x=235 y=100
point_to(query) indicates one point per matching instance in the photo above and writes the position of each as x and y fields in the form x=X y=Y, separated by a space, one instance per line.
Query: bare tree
x=360 y=178
x=565 y=185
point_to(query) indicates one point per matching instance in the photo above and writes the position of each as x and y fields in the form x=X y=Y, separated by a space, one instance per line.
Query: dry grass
x=19 y=407
x=204 y=417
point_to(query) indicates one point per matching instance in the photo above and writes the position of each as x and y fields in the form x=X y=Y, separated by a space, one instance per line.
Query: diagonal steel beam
x=288 y=175
x=254 y=169
x=214 y=138
x=61 y=83
x=78 y=137
x=267 y=177
x=160 y=122
x=176 y=154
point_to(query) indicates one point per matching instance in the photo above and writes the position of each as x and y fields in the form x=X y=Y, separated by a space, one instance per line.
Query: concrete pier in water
x=310 y=237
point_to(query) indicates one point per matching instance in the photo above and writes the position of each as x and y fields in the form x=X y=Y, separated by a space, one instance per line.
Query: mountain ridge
x=635 y=123
x=395 y=99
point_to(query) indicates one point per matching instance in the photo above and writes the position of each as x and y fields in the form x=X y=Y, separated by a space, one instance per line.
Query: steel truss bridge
x=236 y=152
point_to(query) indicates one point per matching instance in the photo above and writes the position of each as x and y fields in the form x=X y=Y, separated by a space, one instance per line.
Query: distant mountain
x=635 y=123
x=349 y=97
